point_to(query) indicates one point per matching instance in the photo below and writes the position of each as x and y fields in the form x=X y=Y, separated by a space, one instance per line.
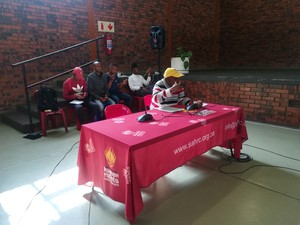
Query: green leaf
x=182 y=58
x=183 y=54
x=186 y=64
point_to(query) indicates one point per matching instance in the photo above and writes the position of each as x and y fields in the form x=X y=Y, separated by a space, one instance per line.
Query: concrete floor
x=39 y=184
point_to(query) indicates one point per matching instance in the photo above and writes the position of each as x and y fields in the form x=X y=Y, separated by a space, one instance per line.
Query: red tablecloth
x=121 y=155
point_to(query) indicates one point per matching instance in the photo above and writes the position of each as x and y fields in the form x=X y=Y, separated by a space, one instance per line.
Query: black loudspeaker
x=157 y=37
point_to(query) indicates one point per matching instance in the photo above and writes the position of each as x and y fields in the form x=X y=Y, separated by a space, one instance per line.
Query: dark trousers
x=143 y=91
x=92 y=111
x=117 y=96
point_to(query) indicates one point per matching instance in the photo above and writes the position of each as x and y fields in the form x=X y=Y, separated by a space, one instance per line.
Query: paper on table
x=76 y=102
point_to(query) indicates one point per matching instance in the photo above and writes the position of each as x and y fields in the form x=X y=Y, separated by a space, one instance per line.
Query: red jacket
x=72 y=86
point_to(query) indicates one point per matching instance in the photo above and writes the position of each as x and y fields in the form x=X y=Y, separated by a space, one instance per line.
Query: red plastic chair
x=116 y=110
x=52 y=114
x=147 y=101
x=43 y=119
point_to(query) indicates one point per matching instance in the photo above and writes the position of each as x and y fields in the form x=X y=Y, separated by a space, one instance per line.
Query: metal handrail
x=59 y=75
x=59 y=51
x=26 y=87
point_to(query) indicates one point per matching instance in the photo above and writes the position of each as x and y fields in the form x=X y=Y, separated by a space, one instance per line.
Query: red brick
x=276 y=95
x=255 y=106
x=256 y=89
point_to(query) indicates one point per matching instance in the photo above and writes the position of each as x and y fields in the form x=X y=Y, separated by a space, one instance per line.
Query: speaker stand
x=159 y=63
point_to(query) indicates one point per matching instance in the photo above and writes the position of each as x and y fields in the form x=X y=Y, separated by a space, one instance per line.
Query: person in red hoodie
x=75 y=92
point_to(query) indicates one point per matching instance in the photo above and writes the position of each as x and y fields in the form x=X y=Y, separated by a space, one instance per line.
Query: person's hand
x=148 y=72
x=78 y=95
x=176 y=88
x=82 y=95
x=199 y=103
x=102 y=99
x=112 y=77
x=144 y=89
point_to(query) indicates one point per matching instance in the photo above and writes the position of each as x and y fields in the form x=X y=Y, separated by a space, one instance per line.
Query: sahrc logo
x=110 y=157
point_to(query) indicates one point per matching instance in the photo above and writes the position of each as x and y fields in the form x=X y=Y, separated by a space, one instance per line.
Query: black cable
x=39 y=191
x=231 y=159
x=269 y=189
x=243 y=156
x=259 y=185
x=191 y=113
x=165 y=116
x=251 y=167
x=90 y=206
x=266 y=150
x=172 y=115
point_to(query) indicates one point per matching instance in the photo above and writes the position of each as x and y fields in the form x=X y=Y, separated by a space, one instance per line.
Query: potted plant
x=182 y=61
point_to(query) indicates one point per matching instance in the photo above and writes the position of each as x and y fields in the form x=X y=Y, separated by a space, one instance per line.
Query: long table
x=122 y=155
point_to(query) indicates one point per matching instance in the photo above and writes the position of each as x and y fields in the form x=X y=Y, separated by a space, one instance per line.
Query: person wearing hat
x=168 y=92
x=138 y=84
x=74 y=88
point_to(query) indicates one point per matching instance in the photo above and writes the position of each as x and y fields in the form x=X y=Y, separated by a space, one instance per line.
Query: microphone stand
x=145 y=117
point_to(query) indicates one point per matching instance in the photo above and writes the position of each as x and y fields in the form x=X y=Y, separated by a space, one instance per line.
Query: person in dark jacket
x=114 y=83
x=98 y=90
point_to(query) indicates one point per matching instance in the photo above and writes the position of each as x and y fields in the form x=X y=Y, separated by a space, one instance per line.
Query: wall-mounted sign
x=104 y=26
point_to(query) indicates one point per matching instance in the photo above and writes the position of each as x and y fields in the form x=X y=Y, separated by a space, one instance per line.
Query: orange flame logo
x=110 y=157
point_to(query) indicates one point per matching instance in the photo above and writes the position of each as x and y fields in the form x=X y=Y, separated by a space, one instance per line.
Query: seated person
x=137 y=83
x=74 y=88
x=98 y=89
x=168 y=92
x=114 y=83
x=124 y=87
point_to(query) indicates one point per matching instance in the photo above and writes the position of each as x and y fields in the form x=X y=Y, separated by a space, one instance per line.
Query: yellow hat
x=171 y=72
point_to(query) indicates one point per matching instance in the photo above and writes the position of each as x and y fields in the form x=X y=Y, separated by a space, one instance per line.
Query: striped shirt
x=162 y=96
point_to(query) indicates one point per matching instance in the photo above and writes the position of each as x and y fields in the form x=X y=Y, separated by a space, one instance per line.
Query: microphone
x=145 y=117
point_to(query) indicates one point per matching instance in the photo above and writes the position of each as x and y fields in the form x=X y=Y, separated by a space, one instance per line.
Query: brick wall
x=192 y=26
x=132 y=20
x=196 y=27
x=259 y=34
x=30 y=28
x=261 y=102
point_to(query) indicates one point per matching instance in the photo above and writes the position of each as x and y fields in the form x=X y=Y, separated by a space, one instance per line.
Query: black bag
x=47 y=99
